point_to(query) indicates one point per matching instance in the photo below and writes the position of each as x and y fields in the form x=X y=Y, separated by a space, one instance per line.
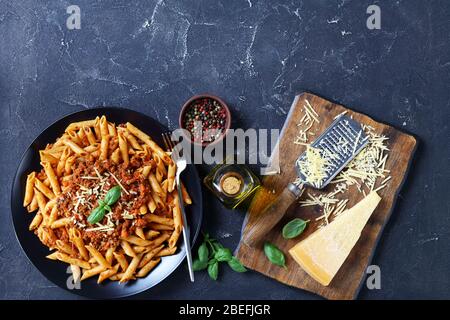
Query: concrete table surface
x=151 y=56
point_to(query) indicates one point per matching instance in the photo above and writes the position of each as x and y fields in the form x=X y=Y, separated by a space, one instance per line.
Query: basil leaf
x=212 y=261
x=213 y=270
x=294 y=228
x=96 y=215
x=275 y=255
x=236 y=265
x=217 y=246
x=198 y=265
x=112 y=195
x=203 y=252
x=223 y=254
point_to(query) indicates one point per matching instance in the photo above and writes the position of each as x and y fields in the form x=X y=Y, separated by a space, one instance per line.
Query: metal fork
x=181 y=165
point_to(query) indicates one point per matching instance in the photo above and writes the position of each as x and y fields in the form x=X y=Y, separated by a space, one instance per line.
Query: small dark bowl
x=188 y=104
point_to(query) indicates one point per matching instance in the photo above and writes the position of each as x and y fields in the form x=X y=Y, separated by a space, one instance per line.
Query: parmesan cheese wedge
x=322 y=254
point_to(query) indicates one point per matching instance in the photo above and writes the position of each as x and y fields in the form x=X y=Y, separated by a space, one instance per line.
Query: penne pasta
x=35 y=222
x=92 y=272
x=92 y=148
x=154 y=183
x=140 y=232
x=121 y=260
x=29 y=189
x=177 y=222
x=49 y=206
x=107 y=273
x=166 y=252
x=64 y=247
x=159 y=219
x=149 y=255
x=123 y=146
x=52 y=256
x=47 y=157
x=97 y=131
x=158 y=201
x=131 y=140
x=52 y=178
x=171 y=177
x=98 y=257
x=150 y=234
x=104 y=147
x=112 y=130
x=159 y=240
x=40 y=200
x=82 y=136
x=109 y=255
x=186 y=198
x=147 y=268
x=146 y=171
x=164 y=187
x=79 y=170
x=115 y=156
x=137 y=241
x=62 y=162
x=127 y=249
x=69 y=164
x=104 y=127
x=89 y=135
x=158 y=226
x=148 y=141
x=33 y=206
x=78 y=125
x=131 y=268
x=65 y=258
x=151 y=204
x=143 y=209
x=73 y=135
x=60 y=223
x=74 y=147
x=43 y=189
x=53 y=215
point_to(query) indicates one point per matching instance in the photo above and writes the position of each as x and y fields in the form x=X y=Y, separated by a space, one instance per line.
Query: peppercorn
x=212 y=115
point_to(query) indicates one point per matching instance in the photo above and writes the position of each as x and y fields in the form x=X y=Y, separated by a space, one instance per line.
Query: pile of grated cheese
x=306 y=122
x=99 y=191
x=365 y=172
x=314 y=165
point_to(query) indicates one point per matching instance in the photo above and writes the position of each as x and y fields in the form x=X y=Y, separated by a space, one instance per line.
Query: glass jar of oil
x=232 y=183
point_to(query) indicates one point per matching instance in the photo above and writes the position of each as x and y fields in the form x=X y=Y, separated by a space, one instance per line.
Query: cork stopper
x=231 y=183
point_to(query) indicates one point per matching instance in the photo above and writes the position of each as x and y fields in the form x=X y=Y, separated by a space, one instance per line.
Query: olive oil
x=232 y=183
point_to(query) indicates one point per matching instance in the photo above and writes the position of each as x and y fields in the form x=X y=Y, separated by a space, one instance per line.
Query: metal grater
x=344 y=138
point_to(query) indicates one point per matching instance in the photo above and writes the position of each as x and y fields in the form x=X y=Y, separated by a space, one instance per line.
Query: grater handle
x=271 y=215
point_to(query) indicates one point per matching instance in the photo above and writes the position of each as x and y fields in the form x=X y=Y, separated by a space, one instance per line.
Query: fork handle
x=271 y=215
x=186 y=232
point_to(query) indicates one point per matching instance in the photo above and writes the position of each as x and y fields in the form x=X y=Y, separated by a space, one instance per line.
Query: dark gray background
x=152 y=56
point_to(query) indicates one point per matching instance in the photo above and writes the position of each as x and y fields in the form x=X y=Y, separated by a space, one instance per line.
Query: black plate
x=56 y=271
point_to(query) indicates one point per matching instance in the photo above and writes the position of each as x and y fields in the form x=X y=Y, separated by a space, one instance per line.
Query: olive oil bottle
x=232 y=183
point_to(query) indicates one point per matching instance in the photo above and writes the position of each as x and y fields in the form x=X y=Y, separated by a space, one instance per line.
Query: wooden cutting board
x=348 y=281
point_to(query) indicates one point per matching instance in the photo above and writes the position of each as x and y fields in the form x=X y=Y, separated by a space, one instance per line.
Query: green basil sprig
x=294 y=228
x=275 y=255
x=99 y=212
x=211 y=253
x=213 y=269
